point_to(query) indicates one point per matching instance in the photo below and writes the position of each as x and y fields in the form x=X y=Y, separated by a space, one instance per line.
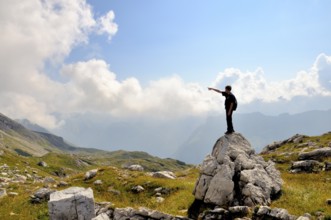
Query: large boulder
x=318 y=154
x=72 y=203
x=306 y=166
x=234 y=175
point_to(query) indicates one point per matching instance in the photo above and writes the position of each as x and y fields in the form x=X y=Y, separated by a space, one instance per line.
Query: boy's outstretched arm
x=216 y=90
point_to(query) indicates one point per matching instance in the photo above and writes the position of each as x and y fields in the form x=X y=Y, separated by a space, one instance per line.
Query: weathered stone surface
x=298 y=138
x=143 y=214
x=264 y=212
x=137 y=189
x=90 y=174
x=98 y=182
x=48 y=180
x=72 y=203
x=306 y=166
x=234 y=175
x=62 y=183
x=219 y=213
x=41 y=195
x=317 y=154
x=327 y=166
x=159 y=199
x=135 y=167
x=164 y=174
x=104 y=207
x=102 y=216
x=42 y=164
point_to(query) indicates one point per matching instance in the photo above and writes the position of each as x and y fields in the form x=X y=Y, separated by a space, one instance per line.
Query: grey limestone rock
x=317 y=154
x=102 y=216
x=90 y=174
x=306 y=166
x=41 y=195
x=233 y=175
x=135 y=167
x=164 y=174
x=42 y=164
x=72 y=203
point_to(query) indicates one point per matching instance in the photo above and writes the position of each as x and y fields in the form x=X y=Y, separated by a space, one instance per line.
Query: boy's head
x=228 y=88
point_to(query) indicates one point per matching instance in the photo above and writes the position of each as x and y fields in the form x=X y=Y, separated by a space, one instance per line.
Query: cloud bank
x=35 y=34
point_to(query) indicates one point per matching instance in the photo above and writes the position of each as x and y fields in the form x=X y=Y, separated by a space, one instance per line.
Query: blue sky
x=152 y=58
x=198 y=39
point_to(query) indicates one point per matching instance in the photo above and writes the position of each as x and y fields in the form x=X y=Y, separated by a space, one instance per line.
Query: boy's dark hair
x=228 y=87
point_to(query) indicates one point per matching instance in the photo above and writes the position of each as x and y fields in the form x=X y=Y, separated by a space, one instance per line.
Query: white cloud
x=96 y=89
x=106 y=25
x=36 y=32
x=253 y=86
x=32 y=33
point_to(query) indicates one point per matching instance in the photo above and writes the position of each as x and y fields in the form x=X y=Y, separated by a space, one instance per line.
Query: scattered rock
x=62 y=183
x=327 y=166
x=20 y=178
x=42 y=164
x=234 y=175
x=137 y=189
x=164 y=174
x=103 y=207
x=49 y=180
x=239 y=211
x=218 y=213
x=162 y=190
x=143 y=213
x=41 y=195
x=135 y=167
x=159 y=199
x=13 y=194
x=90 y=174
x=102 y=216
x=113 y=191
x=317 y=154
x=98 y=182
x=3 y=192
x=306 y=166
x=264 y=212
x=73 y=203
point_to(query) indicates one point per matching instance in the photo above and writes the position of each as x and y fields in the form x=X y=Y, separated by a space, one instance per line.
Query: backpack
x=235 y=104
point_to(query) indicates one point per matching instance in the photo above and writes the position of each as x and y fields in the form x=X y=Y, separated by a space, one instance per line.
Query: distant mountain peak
x=32 y=126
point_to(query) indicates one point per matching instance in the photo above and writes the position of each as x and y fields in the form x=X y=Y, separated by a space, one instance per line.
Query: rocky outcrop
x=72 y=203
x=41 y=195
x=318 y=154
x=296 y=139
x=234 y=175
x=142 y=214
x=306 y=166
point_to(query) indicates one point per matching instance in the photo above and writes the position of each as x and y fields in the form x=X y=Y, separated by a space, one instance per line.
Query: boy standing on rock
x=230 y=106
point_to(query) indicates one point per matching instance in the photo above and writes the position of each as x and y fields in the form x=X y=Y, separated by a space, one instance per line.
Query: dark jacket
x=229 y=98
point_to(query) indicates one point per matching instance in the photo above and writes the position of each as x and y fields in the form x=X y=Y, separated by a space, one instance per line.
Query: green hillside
x=303 y=192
